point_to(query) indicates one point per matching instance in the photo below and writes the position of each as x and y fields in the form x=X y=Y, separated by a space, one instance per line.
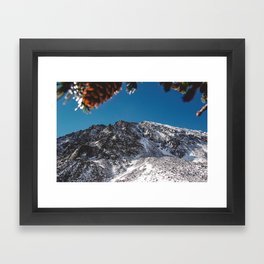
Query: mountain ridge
x=130 y=151
x=132 y=122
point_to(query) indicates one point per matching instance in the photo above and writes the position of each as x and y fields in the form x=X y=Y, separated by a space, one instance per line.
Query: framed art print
x=132 y=131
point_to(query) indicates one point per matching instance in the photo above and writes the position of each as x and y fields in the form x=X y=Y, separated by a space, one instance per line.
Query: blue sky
x=148 y=103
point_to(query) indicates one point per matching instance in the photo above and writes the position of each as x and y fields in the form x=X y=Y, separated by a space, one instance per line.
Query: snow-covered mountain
x=128 y=152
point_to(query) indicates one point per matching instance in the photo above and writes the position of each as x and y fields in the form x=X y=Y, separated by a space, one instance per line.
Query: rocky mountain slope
x=129 y=152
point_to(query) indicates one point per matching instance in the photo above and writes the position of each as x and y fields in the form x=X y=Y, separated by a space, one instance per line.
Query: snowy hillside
x=129 y=152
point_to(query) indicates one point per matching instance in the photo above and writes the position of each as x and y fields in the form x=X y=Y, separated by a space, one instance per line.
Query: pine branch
x=199 y=113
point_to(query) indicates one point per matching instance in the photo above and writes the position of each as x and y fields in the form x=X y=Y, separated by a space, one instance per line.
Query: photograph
x=141 y=132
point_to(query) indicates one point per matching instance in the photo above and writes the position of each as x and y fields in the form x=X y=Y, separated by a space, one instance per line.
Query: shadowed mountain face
x=128 y=152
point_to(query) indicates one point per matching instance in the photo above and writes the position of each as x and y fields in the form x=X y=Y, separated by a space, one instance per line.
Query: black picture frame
x=233 y=49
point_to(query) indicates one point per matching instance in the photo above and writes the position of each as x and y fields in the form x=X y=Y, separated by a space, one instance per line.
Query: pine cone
x=96 y=93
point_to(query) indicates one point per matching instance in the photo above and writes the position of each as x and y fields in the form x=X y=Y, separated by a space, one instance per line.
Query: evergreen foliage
x=91 y=95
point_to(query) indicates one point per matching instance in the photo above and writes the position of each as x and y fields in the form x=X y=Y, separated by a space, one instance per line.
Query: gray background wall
x=131 y=19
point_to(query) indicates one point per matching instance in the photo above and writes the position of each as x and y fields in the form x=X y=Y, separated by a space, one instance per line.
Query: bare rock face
x=128 y=152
